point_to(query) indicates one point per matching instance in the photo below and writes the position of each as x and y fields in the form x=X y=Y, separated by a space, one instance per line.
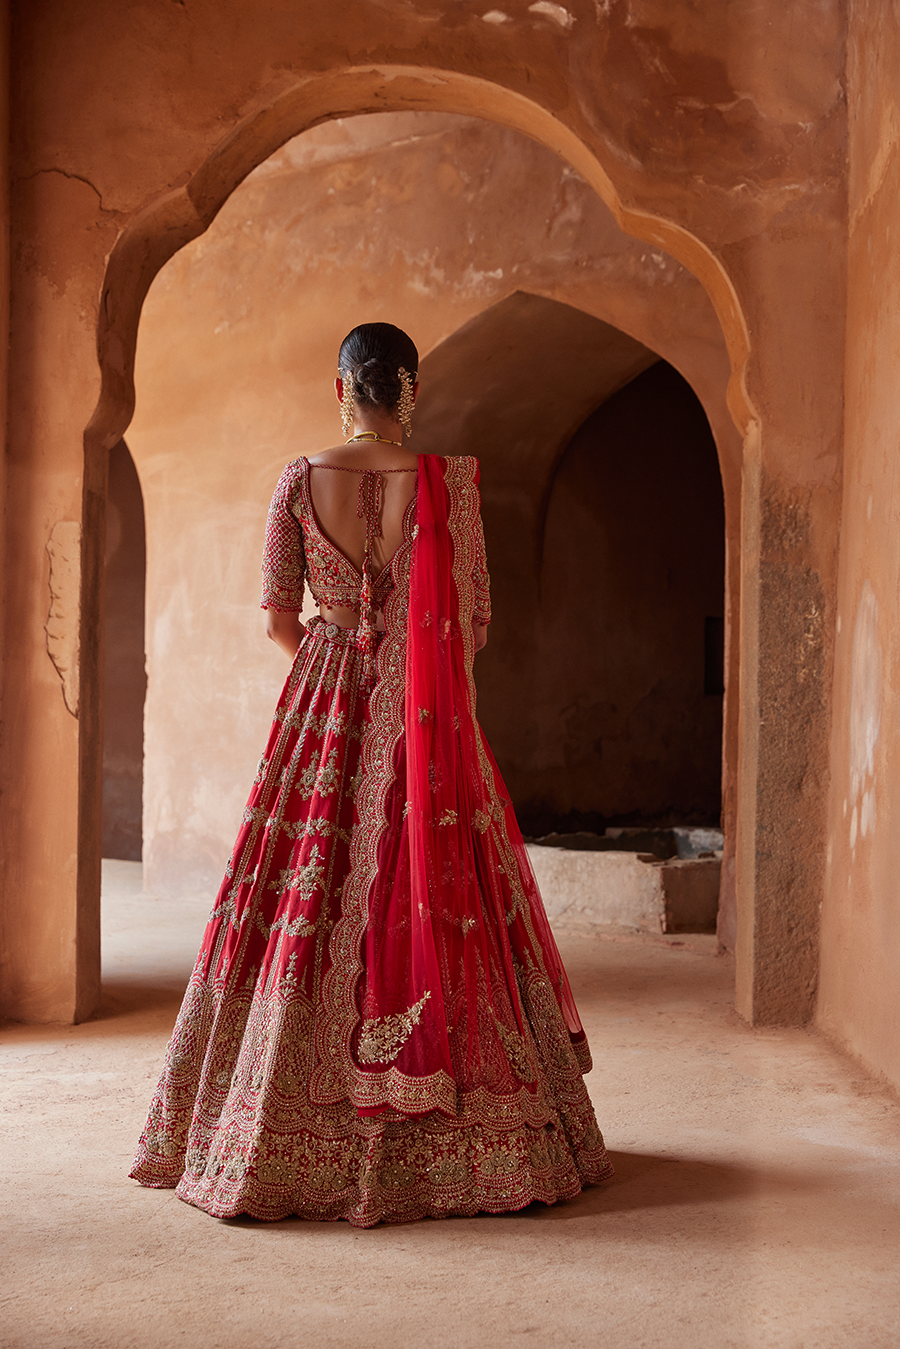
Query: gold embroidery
x=517 y=1053
x=316 y=825
x=304 y=879
x=382 y=1038
x=482 y=821
x=298 y=927
x=321 y=779
x=448 y=817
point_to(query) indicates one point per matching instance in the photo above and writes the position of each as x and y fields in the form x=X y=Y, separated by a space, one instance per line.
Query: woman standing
x=378 y=1026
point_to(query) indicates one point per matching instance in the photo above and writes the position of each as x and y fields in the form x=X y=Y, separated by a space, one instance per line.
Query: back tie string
x=368 y=508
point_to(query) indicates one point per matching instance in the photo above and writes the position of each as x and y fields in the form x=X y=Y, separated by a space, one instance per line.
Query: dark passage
x=628 y=657
x=125 y=678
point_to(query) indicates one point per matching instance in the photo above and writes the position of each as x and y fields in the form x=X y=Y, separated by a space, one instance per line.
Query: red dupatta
x=458 y=963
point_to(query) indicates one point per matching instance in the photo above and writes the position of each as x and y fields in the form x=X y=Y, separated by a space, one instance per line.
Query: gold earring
x=405 y=402
x=347 y=403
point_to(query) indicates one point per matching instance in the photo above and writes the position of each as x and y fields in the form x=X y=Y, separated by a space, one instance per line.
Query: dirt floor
x=755 y=1202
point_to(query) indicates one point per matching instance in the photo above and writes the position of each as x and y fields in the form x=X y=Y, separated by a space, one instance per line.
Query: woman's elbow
x=481 y=634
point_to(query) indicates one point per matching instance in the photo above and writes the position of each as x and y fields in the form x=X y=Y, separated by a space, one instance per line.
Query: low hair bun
x=376 y=384
x=371 y=355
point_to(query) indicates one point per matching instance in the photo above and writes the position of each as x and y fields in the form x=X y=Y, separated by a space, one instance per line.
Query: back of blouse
x=339 y=530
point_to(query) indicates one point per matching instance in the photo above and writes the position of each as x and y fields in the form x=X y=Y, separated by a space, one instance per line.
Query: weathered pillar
x=49 y=754
x=790 y=524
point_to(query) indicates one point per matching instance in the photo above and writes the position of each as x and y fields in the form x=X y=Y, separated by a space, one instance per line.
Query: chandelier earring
x=405 y=402
x=347 y=403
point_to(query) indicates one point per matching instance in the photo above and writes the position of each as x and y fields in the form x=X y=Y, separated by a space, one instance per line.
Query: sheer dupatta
x=464 y=1006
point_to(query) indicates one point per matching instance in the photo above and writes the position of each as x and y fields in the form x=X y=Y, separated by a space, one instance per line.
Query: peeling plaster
x=551 y=11
x=63 y=619
x=866 y=696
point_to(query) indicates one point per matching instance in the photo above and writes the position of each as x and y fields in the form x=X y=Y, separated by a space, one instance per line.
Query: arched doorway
x=148 y=242
x=601 y=686
x=234 y=368
x=629 y=646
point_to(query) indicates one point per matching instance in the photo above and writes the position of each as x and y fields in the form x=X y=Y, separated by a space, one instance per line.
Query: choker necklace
x=373 y=435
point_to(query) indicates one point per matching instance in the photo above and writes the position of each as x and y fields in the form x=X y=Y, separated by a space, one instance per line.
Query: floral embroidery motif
x=320 y=779
x=305 y=879
x=517 y=1052
x=381 y=1039
x=297 y=927
x=448 y=817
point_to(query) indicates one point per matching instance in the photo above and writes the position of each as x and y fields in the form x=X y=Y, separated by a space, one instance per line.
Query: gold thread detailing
x=481 y=820
x=319 y=778
x=305 y=880
x=297 y=927
x=382 y=1038
x=516 y=1049
x=448 y=817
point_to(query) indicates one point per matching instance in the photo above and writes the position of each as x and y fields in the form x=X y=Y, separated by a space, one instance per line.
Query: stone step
x=631 y=890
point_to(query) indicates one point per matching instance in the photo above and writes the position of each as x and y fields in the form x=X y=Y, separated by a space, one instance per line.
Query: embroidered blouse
x=297 y=553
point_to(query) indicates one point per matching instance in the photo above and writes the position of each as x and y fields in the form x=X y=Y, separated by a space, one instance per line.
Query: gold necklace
x=373 y=435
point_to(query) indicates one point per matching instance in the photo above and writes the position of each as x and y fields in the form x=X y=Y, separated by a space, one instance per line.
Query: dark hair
x=370 y=357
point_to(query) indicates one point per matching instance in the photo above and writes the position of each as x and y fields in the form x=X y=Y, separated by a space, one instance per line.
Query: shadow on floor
x=643 y=1181
x=127 y=997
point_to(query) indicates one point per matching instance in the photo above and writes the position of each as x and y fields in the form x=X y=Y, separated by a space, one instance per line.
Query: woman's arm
x=480 y=631
x=285 y=630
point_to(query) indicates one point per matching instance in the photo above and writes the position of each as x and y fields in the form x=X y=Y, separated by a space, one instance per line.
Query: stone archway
x=166 y=226
x=540 y=391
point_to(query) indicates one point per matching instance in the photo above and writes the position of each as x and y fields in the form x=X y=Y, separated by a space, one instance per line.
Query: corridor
x=755 y=1202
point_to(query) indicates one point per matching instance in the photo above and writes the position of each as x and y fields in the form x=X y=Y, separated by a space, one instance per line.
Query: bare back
x=336 y=496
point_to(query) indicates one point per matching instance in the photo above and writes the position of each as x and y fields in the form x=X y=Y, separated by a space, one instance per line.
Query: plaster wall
x=860 y=952
x=428 y=221
x=715 y=133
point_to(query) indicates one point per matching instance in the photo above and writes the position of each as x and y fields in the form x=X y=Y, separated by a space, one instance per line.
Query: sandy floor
x=756 y=1201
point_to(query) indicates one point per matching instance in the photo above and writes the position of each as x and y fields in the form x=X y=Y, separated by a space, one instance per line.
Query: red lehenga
x=378 y=1026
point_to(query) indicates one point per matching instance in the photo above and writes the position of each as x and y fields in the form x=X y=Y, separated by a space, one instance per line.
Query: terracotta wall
x=715 y=134
x=861 y=909
x=428 y=221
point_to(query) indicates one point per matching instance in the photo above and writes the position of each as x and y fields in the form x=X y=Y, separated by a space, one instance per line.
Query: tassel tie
x=368 y=508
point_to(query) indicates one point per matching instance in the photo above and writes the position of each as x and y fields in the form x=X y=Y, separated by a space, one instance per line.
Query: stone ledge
x=628 y=890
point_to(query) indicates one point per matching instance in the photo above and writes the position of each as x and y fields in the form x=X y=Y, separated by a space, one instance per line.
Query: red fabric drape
x=454 y=908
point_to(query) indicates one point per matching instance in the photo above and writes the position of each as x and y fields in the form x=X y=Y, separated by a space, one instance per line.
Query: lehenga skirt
x=235 y=1125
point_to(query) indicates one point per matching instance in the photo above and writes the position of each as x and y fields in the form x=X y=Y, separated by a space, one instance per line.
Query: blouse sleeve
x=284 y=560
x=480 y=577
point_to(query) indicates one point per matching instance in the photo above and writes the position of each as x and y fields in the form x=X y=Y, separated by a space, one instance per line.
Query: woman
x=378 y=1026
